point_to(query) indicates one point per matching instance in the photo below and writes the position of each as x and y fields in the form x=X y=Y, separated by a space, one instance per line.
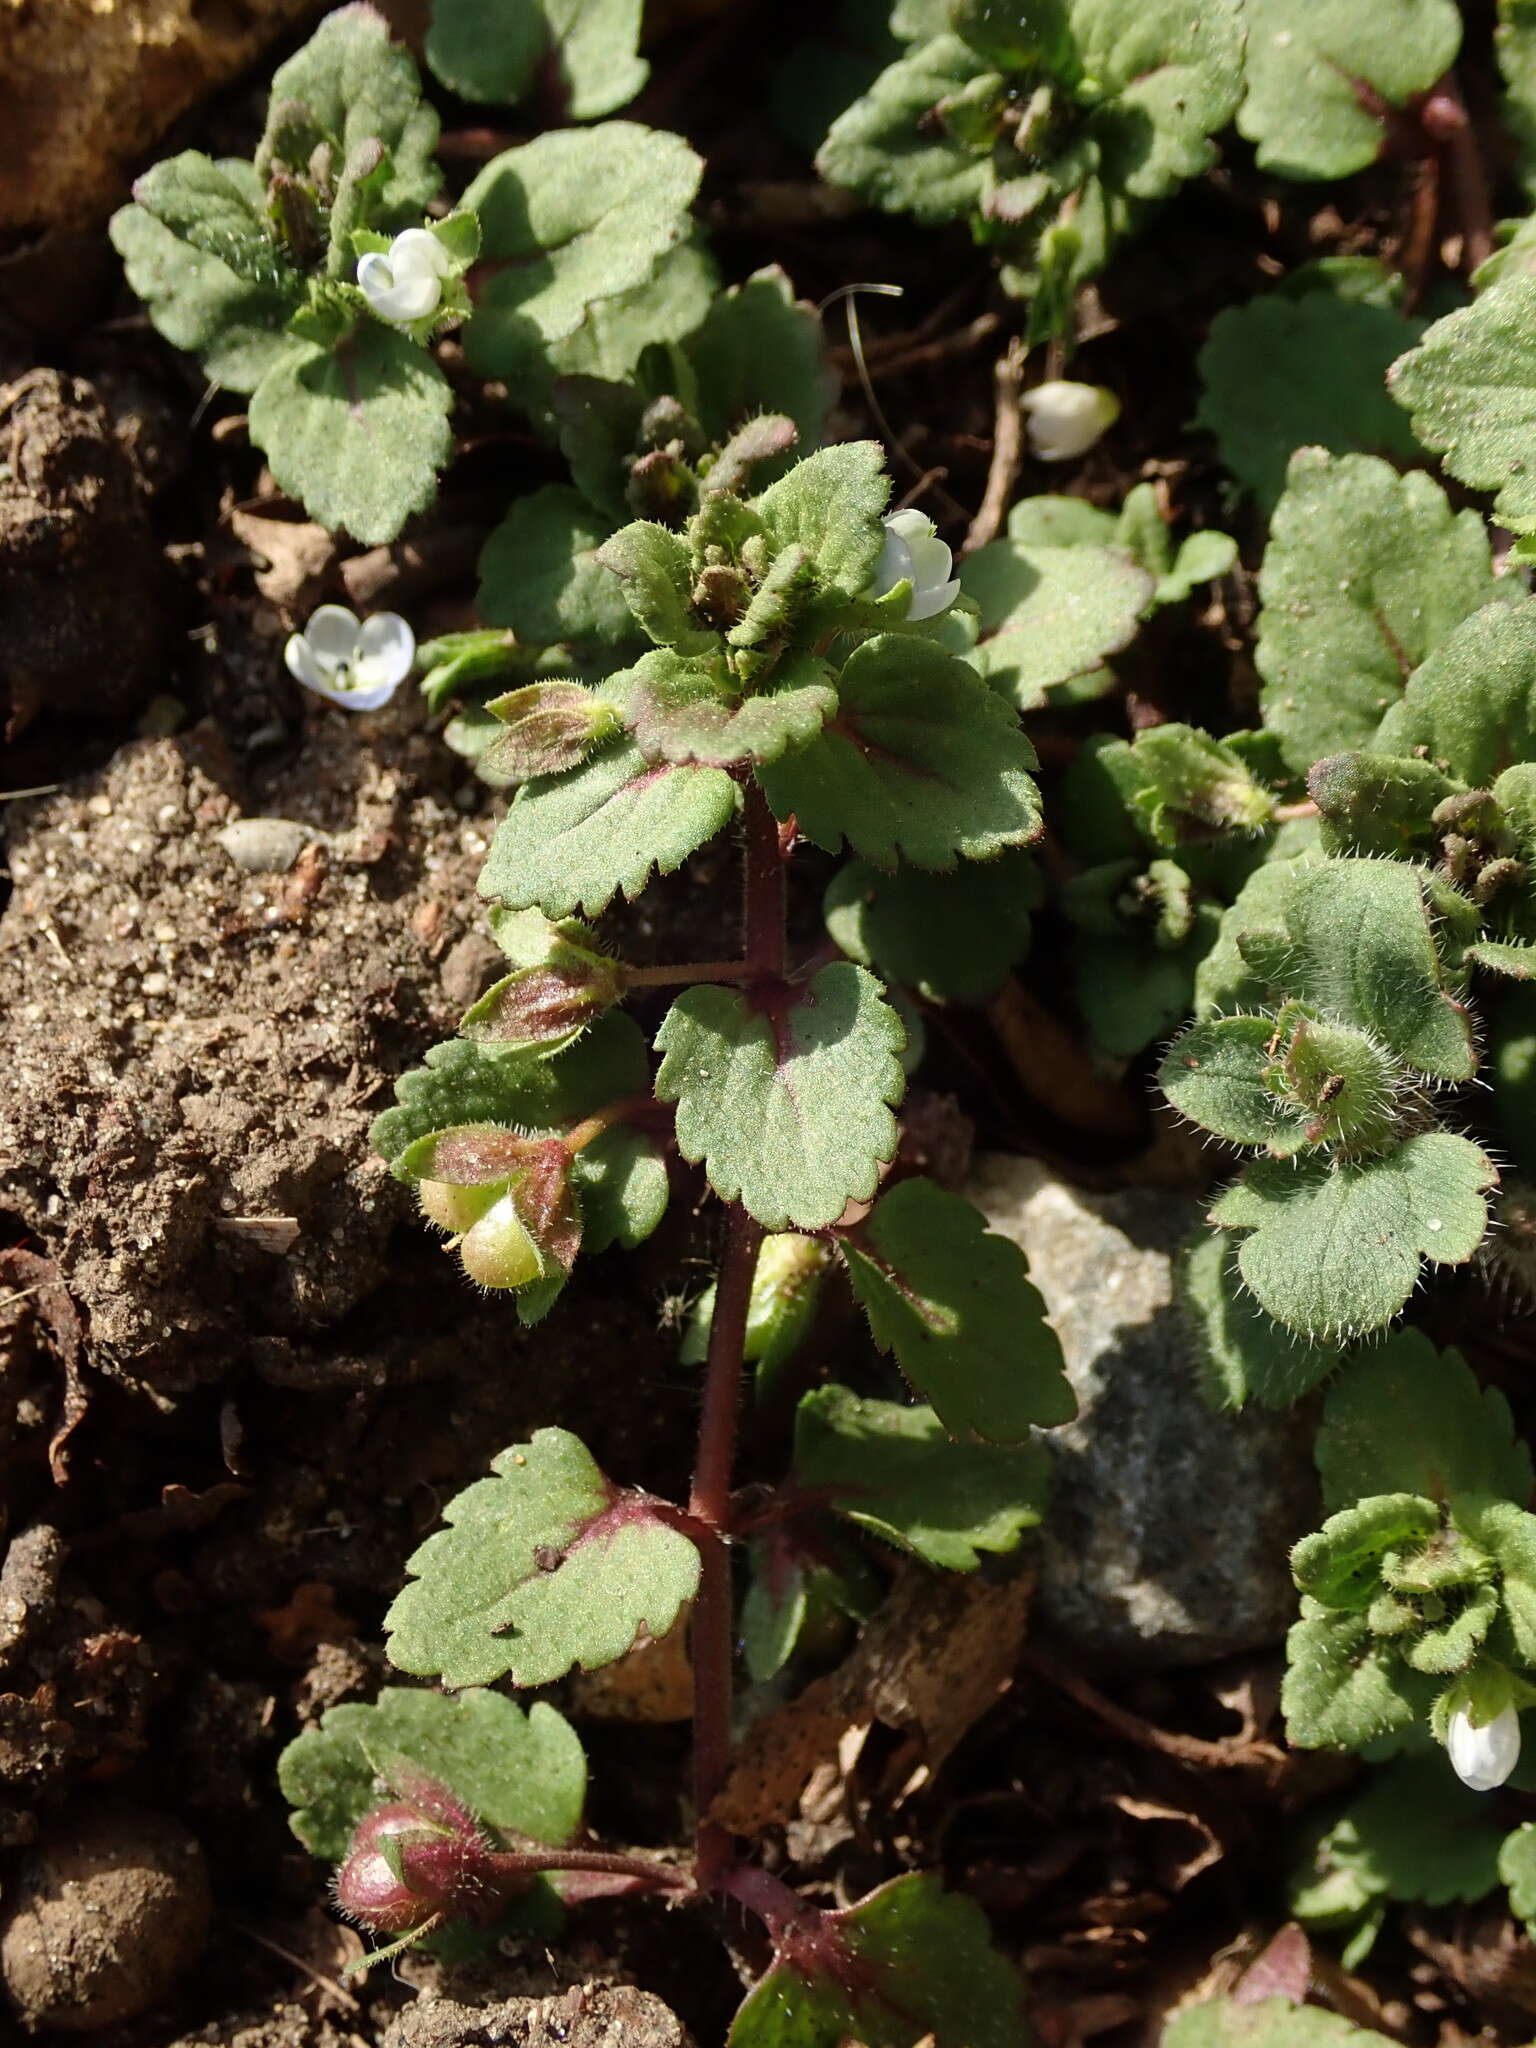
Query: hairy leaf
x=1244 y=1353
x=583 y=51
x=1218 y=1074
x=1366 y=573
x=954 y=1302
x=1263 y=2023
x=621 y=1183
x=1517 y=1869
x=831 y=504
x=950 y=937
x=682 y=709
x=540 y=575
x=1335 y=1251
x=1471 y=387
x=1472 y=705
x=897 y=1472
x=760 y=349
x=359 y=433
x=1409 y=1418
x=574 y=841
x=890 y=147
x=786 y=1100
x=909 y=1963
x=524 y=1773
x=1417 y=1835
x=545 y=1566
x=1343 y=1688
x=1051 y=613
x=920 y=762
x=1340 y=1565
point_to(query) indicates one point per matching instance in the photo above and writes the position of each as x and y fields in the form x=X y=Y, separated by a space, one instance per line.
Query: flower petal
x=332 y=634
x=928 y=603
x=416 y=252
x=895 y=565
x=911 y=524
x=931 y=560
x=302 y=665
x=386 y=648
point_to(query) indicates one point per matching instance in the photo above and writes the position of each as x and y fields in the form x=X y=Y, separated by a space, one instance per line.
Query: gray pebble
x=266 y=846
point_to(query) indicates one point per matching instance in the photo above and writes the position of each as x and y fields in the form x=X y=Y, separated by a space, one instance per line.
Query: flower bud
x=406 y=282
x=499 y=1250
x=1065 y=419
x=1483 y=1756
x=421 y=1858
x=913 y=553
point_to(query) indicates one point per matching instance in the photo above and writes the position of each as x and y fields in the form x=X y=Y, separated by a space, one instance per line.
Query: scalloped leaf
x=463 y=1083
x=1244 y=1353
x=1343 y=1686
x=682 y=709
x=573 y=842
x=584 y=53
x=955 y=1304
x=1410 y=1419
x=831 y=505
x=920 y=762
x=357 y=434
x=950 y=937
x=545 y=1567
x=523 y=1774
x=1051 y=613
x=787 y=1099
x=897 y=1472
x=1263 y=2023
x=911 y=1963
x=760 y=349
x=574 y=218
x=1334 y=1251
x=1284 y=373
x=1367 y=572
x=1417 y=1835
x=1470 y=385
x=540 y=575
x=1322 y=84
x=1472 y=705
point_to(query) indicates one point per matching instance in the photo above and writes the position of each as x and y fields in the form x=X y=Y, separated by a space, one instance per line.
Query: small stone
x=105 y=1914
x=1170 y=1526
x=265 y=846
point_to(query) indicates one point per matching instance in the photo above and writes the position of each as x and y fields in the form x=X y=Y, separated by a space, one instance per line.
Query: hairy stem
x=689 y=970
x=538 y=1862
x=710 y=1501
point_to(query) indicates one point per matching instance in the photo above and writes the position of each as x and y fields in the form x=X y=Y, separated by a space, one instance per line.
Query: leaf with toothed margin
x=1410 y=1419
x=682 y=709
x=831 y=504
x=654 y=570
x=920 y=762
x=546 y=1566
x=1334 y=1251
x=1344 y=1686
x=540 y=575
x=1471 y=707
x=462 y=1083
x=897 y=1472
x=575 y=841
x=1051 y=613
x=1471 y=388
x=951 y=937
x=911 y=1963
x=787 y=1100
x=954 y=1302
x=583 y=53
x=1244 y=1354
x=522 y=1773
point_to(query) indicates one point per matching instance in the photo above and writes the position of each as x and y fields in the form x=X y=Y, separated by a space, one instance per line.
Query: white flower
x=1483 y=1757
x=358 y=665
x=913 y=553
x=407 y=283
x=1064 y=419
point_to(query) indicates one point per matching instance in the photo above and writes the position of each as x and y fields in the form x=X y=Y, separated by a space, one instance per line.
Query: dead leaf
x=296 y=555
x=310 y=1618
x=38 y=1281
x=651 y=1682
x=1284 y=1970
x=940 y=1652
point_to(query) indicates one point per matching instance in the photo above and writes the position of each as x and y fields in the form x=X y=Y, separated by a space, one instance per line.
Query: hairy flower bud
x=421 y=1858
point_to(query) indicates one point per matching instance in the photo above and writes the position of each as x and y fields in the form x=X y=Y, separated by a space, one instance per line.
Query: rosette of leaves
x=1051 y=128
x=1419 y=1591
x=251 y=266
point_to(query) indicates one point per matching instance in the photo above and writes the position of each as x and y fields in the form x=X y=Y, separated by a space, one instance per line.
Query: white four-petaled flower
x=1064 y=419
x=1483 y=1757
x=360 y=664
x=913 y=553
x=406 y=282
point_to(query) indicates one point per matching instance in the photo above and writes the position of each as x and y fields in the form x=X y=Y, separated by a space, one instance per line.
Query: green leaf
x=890 y=147
x=540 y=575
x=1409 y=1418
x=954 y=1302
x=1244 y=1353
x=519 y=1773
x=1471 y=388
x=238 y=331
x=581 y=52
x=1179 y=784
x=1417 y=1835
x=911 y=1963
x=216 y=209
x=574 y=841
x=614 y=333
x=655 y=573
x=356 y=86
x=1472 y=705
x=1367 y=572
x=1051 y=613
x=760 y=349
x=691 y=710
x=773 y=1614
x=357 y=435
x=463 y=1083
x=1335 y=1251
x=897 y=1472
x=575 y=217
x=921 y=762
x=1280 y=374
x=1225 y=980
x=1378 y=803
x=1517 y=1869
x=1218 y=1074
x=1263 y=2023
x=621 y=1183
x=831 y=505
x=1340 y=1565
x=1132 y=990
x=1515 y=41
x=1356 y=941
x=951 y=938
x=1321 y=85
x=788 y=1104
x=1343 y=1688
x=544 y=1567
